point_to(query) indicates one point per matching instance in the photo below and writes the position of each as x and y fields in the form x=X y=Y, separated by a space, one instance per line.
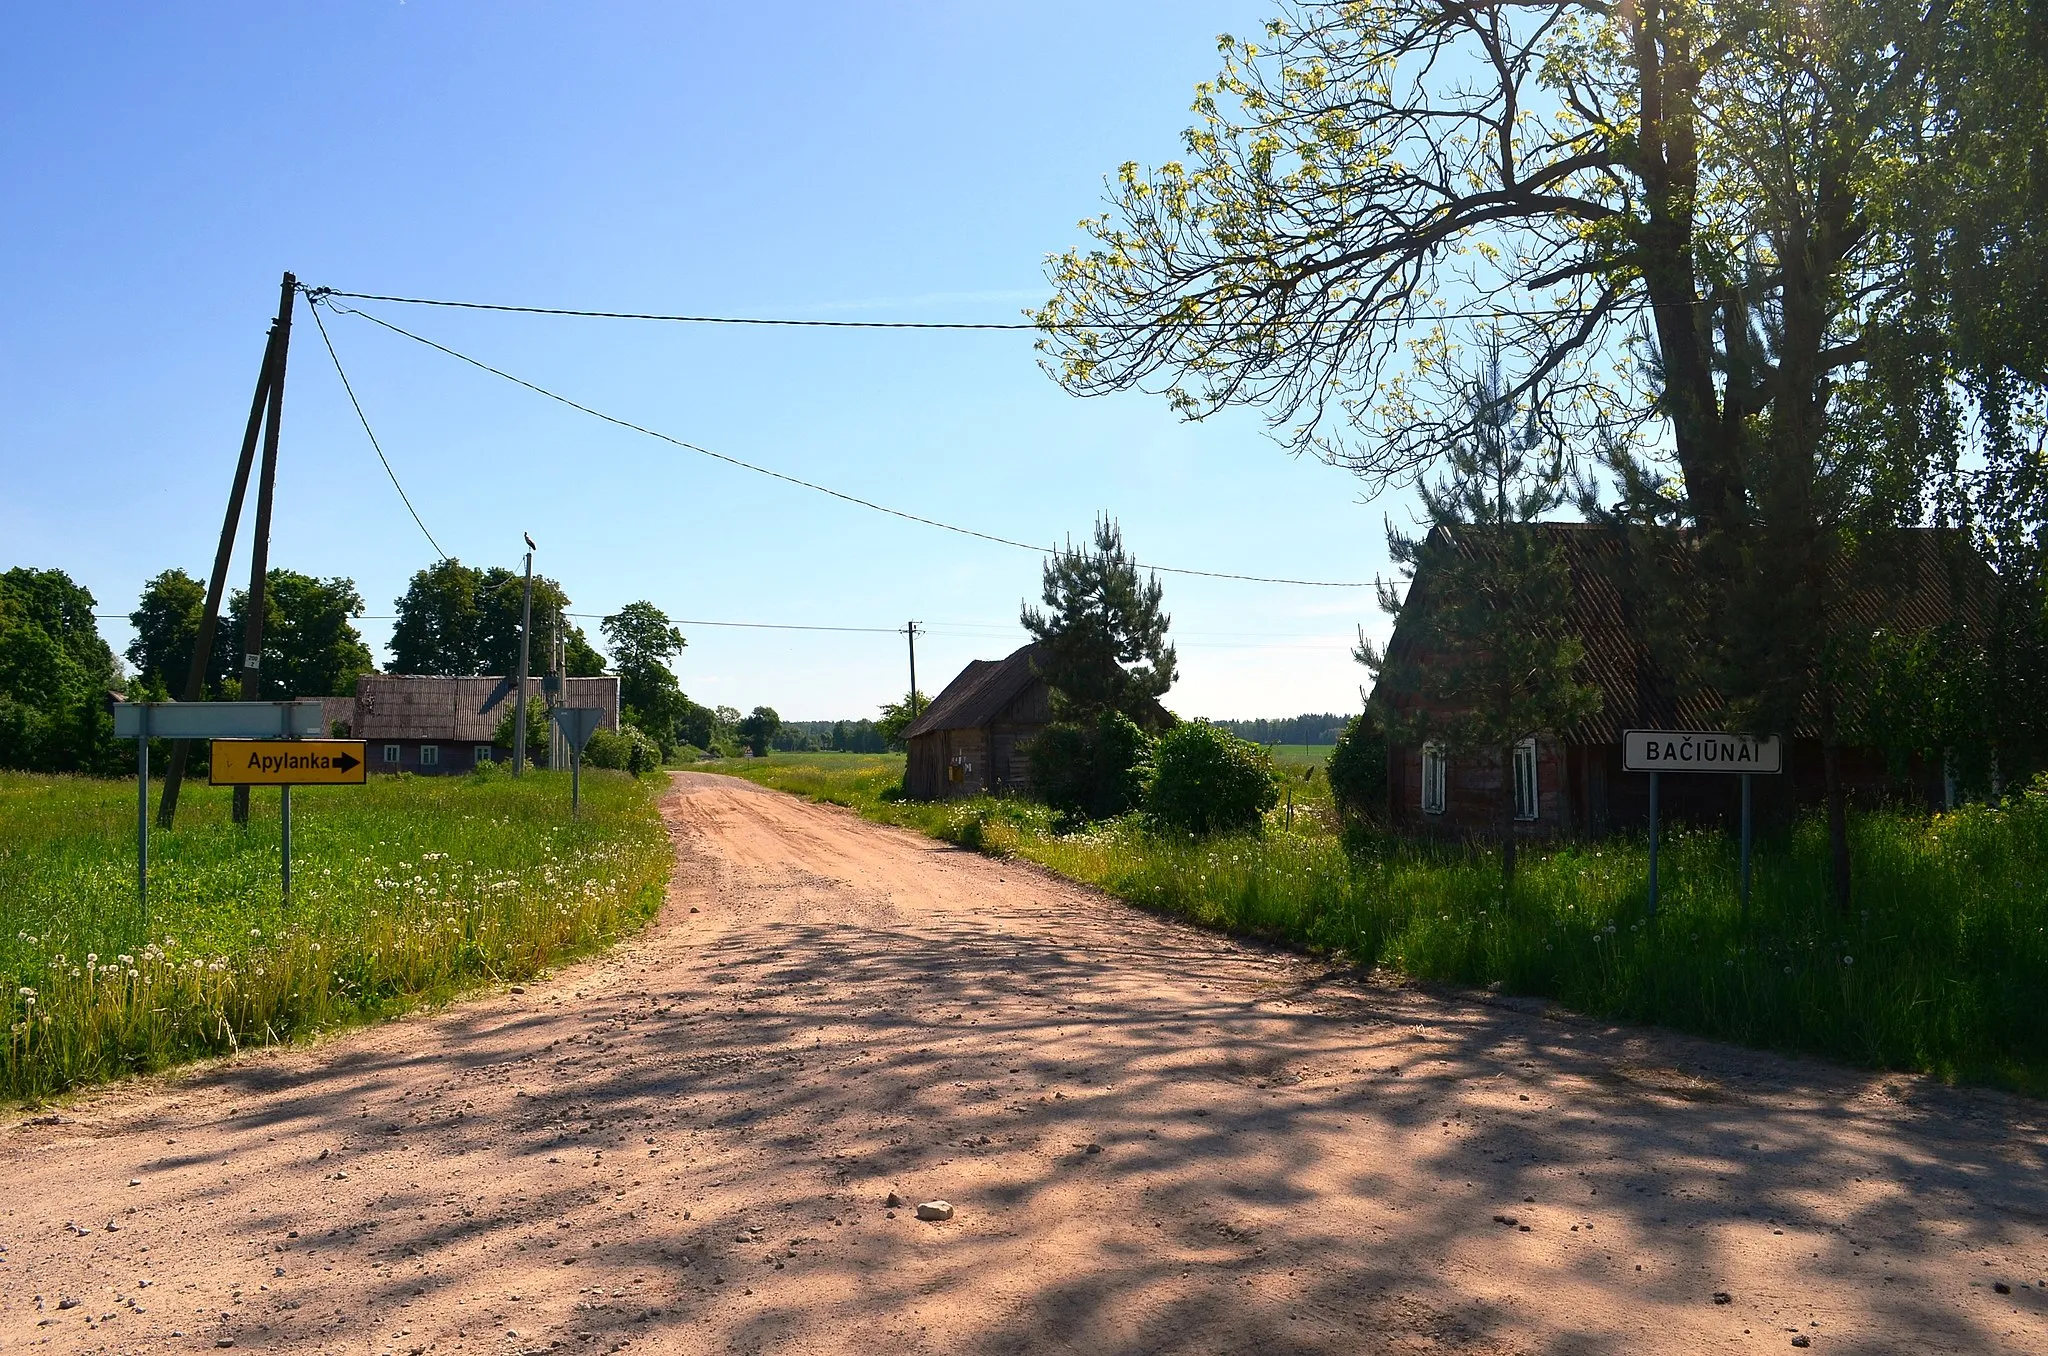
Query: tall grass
x=404 y=890
x=1942 y=968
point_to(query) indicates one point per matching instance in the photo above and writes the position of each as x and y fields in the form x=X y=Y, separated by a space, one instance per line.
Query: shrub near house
x=1206 y=780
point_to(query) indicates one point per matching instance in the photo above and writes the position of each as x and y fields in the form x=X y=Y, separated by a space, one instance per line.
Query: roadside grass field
x=405 y=890
x=1942 y=968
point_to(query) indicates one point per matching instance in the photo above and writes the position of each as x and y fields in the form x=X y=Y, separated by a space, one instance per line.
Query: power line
x=379 y=447
x=953 y=630
x=319 y=294
x=841 y=495
x=322 y=293
x=758 y=626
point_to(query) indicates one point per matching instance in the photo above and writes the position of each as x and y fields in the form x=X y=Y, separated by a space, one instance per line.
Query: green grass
x=1942 y=968
x=1300 y=754
x=405 y=890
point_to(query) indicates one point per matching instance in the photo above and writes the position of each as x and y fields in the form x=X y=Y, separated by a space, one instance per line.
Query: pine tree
x=1102 y=638
x=1486 y=659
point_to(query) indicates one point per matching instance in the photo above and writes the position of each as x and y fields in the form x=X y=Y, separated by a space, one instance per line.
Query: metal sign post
x=1660 y=751
x=142 y=819
x=1745 y=842
x=263 y=725
x=1653 y=845
x=285 y=763
x=577 y=724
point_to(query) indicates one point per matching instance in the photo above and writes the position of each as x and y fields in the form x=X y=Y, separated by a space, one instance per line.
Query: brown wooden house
x=1572 y=783
x=972 y=739
x=415 y=723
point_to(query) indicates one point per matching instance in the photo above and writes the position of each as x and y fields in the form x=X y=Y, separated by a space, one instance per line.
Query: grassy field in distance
x=1942 y=968
x=1317 y=754
x=404 y=890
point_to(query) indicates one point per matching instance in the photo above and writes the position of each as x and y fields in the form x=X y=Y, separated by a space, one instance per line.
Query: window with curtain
x=1434 y=767
x=1525 y=779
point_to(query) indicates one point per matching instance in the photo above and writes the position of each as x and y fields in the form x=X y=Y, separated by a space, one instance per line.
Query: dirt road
x=1156 y=1140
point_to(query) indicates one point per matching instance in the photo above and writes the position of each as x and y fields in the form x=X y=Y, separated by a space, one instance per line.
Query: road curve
x=1154 y=1139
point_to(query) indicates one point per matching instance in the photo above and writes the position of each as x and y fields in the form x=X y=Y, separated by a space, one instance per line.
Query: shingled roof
x=977 y=694
x=1636 y=692
x=458 y=710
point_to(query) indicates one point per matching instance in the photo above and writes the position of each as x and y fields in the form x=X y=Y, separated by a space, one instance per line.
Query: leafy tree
x=457 y=621
x=537 y=730
x=438 y=622
x=897 y=716
x=311 y=647
x=166 y=622
x=696 y=725
x=1709 y=236
x=55 y=674
x=1486 y=658
x=642 y=641
x=759 y=728
x=1206 y=780
x=1102 y=638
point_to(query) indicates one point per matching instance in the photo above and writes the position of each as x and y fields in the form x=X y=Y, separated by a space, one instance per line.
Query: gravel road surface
x=1154 y=1139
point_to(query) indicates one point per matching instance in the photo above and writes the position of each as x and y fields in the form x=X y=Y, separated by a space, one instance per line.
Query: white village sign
x=1659 y=751
x=1699 y=751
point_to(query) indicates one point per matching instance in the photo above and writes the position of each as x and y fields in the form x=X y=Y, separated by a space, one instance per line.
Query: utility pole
x=270 y=374
x=558 y=694
x=259 y=549
x=525 y=637
x=912 y=633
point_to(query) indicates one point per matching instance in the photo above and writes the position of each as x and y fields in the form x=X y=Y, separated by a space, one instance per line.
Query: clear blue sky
x=164 y=164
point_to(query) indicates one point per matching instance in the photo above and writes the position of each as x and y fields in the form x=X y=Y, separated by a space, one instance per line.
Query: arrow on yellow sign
x=287 y=762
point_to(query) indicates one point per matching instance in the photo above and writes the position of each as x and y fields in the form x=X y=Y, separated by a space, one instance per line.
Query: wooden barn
x=970 y=740
x=1572 y=783
x=440 y=725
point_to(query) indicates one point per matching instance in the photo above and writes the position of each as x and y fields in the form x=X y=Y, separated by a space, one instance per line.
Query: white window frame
x=430 y=755
x=1435 y=776
x=486 y=754
x=1527 y=803
x=393 y=753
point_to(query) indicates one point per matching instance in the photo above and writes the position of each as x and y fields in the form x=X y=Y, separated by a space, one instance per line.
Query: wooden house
x=1571 y=782
x=972 y=739
x=432 y=726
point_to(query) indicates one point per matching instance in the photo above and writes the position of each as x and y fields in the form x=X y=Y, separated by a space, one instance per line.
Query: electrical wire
x=379 y=447
x=325 y=292
x=759 y=626
x=326 y=299
x=318 y=294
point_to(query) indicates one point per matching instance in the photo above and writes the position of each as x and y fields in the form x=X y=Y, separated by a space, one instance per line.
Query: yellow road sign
x=287 y=762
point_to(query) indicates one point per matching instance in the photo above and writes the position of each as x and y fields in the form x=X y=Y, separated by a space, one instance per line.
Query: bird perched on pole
x=529 y=541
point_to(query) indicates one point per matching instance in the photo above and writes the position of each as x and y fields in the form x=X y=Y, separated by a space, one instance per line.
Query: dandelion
x=1848 y=960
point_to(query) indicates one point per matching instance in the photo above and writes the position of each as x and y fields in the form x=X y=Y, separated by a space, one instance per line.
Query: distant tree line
x=831 y=736
x=1320 y=727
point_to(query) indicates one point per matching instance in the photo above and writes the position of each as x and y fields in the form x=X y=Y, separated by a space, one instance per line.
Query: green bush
x=627 y=750
x=538 y=727
x=1093 y=771
x=1358 y=771
x=1206 y=780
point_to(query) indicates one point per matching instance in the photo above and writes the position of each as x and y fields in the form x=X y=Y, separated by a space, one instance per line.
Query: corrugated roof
x=1636 y=693
x=458 y=710
x=977 y=694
